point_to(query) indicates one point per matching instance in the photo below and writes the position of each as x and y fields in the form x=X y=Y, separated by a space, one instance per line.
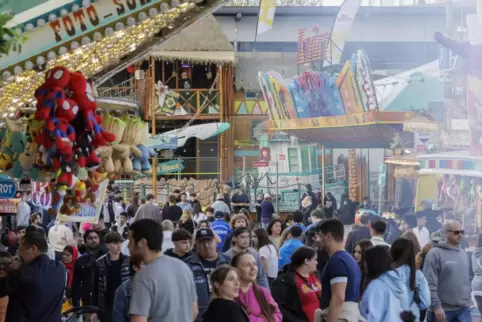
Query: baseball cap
x=267 y=195
x=219 y=214
x=204 y=233
x=219 y=196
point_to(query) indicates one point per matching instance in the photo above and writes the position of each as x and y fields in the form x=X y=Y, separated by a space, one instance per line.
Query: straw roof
x=249 y=64
x=203 y=41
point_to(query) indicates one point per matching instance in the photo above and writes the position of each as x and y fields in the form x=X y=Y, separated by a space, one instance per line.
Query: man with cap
x=221 y=228
x=220 y=205
x=241 y=239
x=204 y=260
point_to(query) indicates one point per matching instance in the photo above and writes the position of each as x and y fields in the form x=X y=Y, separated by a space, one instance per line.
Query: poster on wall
x=89 y=211
x=264 y=154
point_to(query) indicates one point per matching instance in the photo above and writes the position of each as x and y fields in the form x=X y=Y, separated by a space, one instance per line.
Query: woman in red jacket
x=69 y=256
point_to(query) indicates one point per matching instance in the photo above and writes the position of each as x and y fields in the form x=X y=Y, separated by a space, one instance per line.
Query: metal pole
x=277 y=184
x=380 y=192
x=323 y=172
x=153 y=123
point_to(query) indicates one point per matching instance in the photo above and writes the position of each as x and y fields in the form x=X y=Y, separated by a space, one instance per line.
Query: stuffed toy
x=105 y=154
x=58 y=195
x=127 y=146
x=58 y=76
x=24 y=166
x=68 y=110
x=142 y=163
x=80 y=191
x=63 y=133
x=54 y=98
x=70 y=205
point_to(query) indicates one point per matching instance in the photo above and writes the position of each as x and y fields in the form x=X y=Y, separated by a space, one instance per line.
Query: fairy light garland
x=90 y=59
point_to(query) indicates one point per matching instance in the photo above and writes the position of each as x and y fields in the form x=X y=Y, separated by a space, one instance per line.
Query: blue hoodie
x=287 y=250
x=223 y=229
x=389 y=295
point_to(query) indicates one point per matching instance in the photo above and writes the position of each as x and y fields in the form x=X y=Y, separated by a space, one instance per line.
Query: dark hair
x=19 y=228
x=411 y=236
x=69 y=249
x=365 y=218
x=403 y=253
x=36 y=239
x=334 y=227
x=317 y=213
x=183 y=194
x=296 y=231
x=300 y=255
x=244 y=211
x=219 y=275
x=149 y=196
x=171 y=199
x=88 y=232
x=288 y=218
x=269 y=229
x=203 y=222
x=34 y=216
x=379 y=226
x=267 y=309
x=298 y=216
x=308 y=187
x=378 y=261
x=34 y=228
x=113 y=237
x=149 y=230
x=193 y=194
x=181 y=234
x=177 y=191
x=407 y=316
x=263 y=238
x=310 y=233
x=124 y=214
x=209 y=209
x=365 y=244
x=135 y=261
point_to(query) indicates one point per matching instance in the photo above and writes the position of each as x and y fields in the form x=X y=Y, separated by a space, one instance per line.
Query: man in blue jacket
x=290 y=246
x=221 y=228
x=204 y=260
x=36 y=290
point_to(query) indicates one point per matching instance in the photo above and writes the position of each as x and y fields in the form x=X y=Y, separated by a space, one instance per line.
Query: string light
x=90 y=58
x=279 y=3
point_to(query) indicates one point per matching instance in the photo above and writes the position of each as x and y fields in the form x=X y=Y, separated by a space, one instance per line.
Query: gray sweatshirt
x=477 y=269
x=448 y=275
x=261 y=279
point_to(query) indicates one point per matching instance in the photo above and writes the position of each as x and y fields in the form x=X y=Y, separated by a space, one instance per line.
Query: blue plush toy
x=142 y=163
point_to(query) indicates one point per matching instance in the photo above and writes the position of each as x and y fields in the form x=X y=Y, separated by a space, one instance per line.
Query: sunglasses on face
x=457 y=232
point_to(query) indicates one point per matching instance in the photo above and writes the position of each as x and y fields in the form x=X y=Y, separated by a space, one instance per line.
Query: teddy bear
x=70 y=205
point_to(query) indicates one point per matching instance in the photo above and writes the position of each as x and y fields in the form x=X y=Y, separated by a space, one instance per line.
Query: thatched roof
x=249 y=64
x=203 y=41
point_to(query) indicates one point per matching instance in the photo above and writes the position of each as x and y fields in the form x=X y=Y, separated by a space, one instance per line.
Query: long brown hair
x=219 y=275
x=267 y=308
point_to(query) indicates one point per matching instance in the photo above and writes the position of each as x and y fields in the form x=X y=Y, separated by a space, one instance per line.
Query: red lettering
x=131 y=4
x=55 y=25
x=69 y=25
x=120 y=7
x=79 y=17
x=92 y=14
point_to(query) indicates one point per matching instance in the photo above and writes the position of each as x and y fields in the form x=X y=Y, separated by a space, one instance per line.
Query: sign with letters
x=172 y=166
x=75 y=24
x=7 y=189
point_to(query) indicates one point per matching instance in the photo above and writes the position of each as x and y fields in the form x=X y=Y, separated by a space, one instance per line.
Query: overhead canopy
x=203 y=41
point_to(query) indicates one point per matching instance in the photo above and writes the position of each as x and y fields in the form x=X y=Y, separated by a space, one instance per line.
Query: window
x=293 y=162
x=309 y=160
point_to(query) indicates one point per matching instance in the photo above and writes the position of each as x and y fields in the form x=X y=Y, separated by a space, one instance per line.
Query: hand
x=93 y=317
x=439 y=315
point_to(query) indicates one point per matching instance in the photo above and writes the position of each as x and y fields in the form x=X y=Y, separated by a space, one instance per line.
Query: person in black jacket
x=314 y=204
x=36 y=290
x=358 y=234
x=111 y=270
x=172 y=212
x=84 y=269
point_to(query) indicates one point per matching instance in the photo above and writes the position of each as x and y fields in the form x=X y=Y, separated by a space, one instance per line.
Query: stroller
x=76 y=314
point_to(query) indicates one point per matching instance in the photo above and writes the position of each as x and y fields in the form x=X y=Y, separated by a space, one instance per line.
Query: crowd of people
x=179 y=262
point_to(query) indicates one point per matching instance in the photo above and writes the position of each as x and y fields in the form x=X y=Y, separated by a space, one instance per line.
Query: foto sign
x=7 y=189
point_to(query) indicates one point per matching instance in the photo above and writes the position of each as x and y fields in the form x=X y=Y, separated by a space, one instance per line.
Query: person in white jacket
x=421 y=231
x=60 y=236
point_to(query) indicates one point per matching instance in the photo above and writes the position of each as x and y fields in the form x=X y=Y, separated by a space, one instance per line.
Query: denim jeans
x=460 y=315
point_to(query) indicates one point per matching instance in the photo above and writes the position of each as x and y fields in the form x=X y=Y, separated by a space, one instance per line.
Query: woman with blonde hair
x=187 y=222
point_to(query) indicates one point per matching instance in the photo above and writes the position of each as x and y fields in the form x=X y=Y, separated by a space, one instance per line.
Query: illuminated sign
x=74 y=25
x=312 y=47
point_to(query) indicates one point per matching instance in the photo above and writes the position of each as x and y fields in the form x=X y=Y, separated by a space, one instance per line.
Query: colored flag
x=266 y=16
x=341 y=29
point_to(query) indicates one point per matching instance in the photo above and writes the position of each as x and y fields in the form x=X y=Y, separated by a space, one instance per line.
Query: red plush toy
x=68 y=110
x=54 y=98
x=58 y=76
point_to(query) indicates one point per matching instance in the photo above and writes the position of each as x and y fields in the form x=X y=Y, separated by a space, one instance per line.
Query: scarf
x=70 y=266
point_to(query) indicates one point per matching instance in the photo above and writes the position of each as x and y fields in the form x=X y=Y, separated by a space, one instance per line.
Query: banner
x=40 y=196
x=341 y=29
x=89 y=211
x=266 y=16
x=172 y=166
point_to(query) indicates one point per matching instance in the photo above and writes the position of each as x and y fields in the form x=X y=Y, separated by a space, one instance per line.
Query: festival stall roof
x=359 y=130
x=411 y=90
x=249 y=64
x=202 y=42
x=451 y=163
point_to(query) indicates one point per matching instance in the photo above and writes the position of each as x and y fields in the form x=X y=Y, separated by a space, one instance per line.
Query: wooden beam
x=187 y=117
